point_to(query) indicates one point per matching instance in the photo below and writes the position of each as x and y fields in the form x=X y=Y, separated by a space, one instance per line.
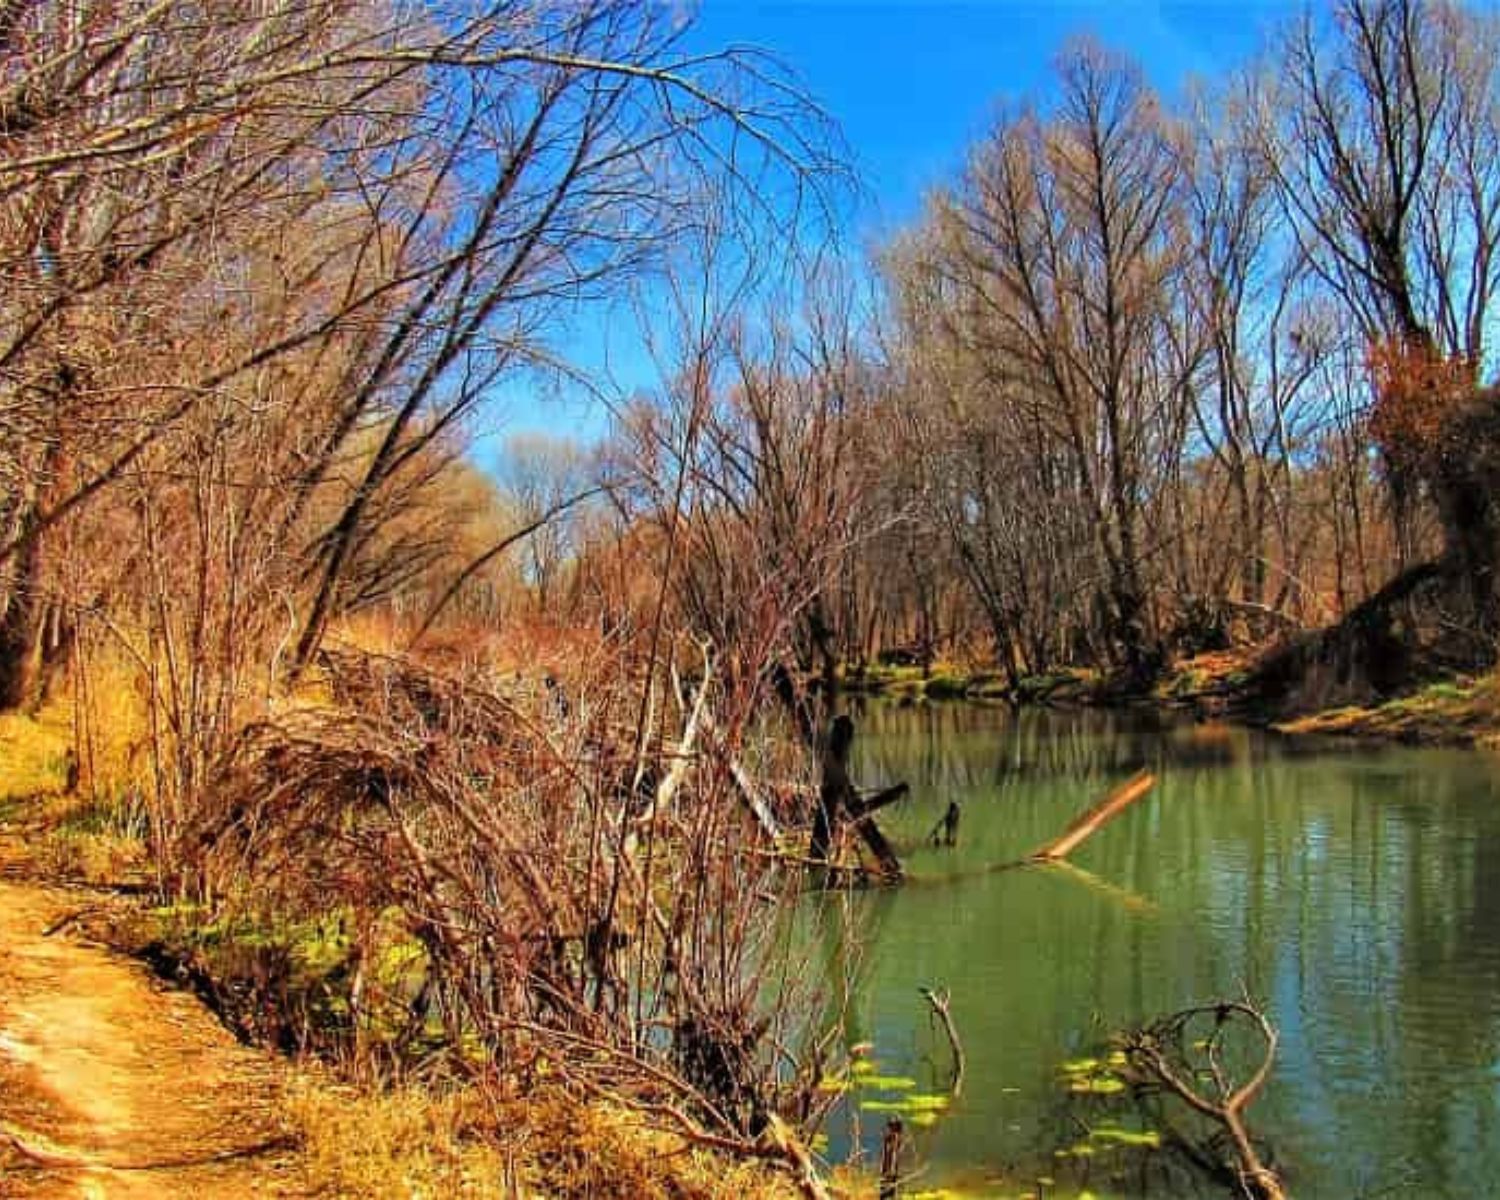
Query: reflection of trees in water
x=1358 y=894
x=1358 y=889
x=972 y=745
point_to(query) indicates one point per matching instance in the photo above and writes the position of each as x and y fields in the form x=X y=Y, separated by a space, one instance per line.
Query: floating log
x=1090 y=822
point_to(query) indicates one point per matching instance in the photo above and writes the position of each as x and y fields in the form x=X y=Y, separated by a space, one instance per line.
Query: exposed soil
x=113 y=1085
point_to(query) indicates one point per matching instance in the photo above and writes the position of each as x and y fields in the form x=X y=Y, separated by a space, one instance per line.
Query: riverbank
x=952 y=681
x=1460 y=710
x=116 y=1076
x=1457 y=712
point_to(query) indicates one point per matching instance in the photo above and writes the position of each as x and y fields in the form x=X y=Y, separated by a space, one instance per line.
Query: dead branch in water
x=938 y=998
x=1089 y=823
x=1053 y=853
x=1168 y=1055
x=837 y=798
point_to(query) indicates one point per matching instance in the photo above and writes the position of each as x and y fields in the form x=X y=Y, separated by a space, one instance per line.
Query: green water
x=1355 y=892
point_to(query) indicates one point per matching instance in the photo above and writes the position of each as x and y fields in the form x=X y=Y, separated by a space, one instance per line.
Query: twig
x=67 y=919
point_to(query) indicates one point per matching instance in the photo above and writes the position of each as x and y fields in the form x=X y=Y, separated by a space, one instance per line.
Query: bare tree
x=1382 y=125
x=1063 y=246
x=538 y=474
x=474 y=167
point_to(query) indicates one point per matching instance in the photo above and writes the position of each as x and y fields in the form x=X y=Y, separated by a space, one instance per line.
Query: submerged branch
x=938 y=998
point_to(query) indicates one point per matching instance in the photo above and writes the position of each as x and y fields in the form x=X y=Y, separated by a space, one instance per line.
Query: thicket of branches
x=522 y=875
x=259 y=269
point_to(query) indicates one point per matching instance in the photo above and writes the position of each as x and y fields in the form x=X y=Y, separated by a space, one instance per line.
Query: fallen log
x=1091 y=821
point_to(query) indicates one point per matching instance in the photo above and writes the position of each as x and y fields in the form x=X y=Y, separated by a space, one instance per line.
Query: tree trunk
x=22 y=610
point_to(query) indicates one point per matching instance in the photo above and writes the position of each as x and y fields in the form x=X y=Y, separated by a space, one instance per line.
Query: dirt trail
x=112 y=1085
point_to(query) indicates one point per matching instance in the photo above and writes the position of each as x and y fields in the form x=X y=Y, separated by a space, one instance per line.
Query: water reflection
x=1358 y=893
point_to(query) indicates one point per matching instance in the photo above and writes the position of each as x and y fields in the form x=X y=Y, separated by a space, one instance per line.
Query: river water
x=1356 y=893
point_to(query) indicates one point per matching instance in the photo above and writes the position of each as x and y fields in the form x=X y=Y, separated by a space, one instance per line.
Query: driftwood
x=1089 y=823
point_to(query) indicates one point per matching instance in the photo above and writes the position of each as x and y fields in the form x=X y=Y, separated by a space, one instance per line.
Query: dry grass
x=410 y=1142
x=391 y=1147
x=33 y=753
x=96 y=831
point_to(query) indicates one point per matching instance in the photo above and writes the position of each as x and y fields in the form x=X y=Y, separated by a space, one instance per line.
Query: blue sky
x=912 y=85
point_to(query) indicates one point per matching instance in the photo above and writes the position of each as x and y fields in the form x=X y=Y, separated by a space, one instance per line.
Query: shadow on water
x=1357 y=893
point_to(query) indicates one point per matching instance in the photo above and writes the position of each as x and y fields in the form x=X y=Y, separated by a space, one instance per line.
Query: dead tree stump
x=837 y=797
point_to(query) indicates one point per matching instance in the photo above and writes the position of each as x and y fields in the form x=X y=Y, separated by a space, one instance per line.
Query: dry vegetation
x=470 y=781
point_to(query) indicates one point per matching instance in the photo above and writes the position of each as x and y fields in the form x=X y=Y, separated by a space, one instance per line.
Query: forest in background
x=1145 y=379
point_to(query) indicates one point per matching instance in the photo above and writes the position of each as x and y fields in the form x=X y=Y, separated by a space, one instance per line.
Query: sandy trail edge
x=118 y=1087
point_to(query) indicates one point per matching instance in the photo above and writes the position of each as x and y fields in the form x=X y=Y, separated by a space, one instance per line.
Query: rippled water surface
x=1356 y=892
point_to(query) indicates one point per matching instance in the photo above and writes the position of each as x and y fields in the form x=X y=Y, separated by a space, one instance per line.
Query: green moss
x=947 y=686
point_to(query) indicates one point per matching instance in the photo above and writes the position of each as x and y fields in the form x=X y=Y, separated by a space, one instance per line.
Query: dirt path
x=112 y=1085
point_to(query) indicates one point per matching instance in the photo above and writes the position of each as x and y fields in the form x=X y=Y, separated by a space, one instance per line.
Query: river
x=1355 y=893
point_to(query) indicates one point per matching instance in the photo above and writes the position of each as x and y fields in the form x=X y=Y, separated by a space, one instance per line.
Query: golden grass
x=33 y=752
x=410 y=1142
x=403 y=1144
x=95 y=832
